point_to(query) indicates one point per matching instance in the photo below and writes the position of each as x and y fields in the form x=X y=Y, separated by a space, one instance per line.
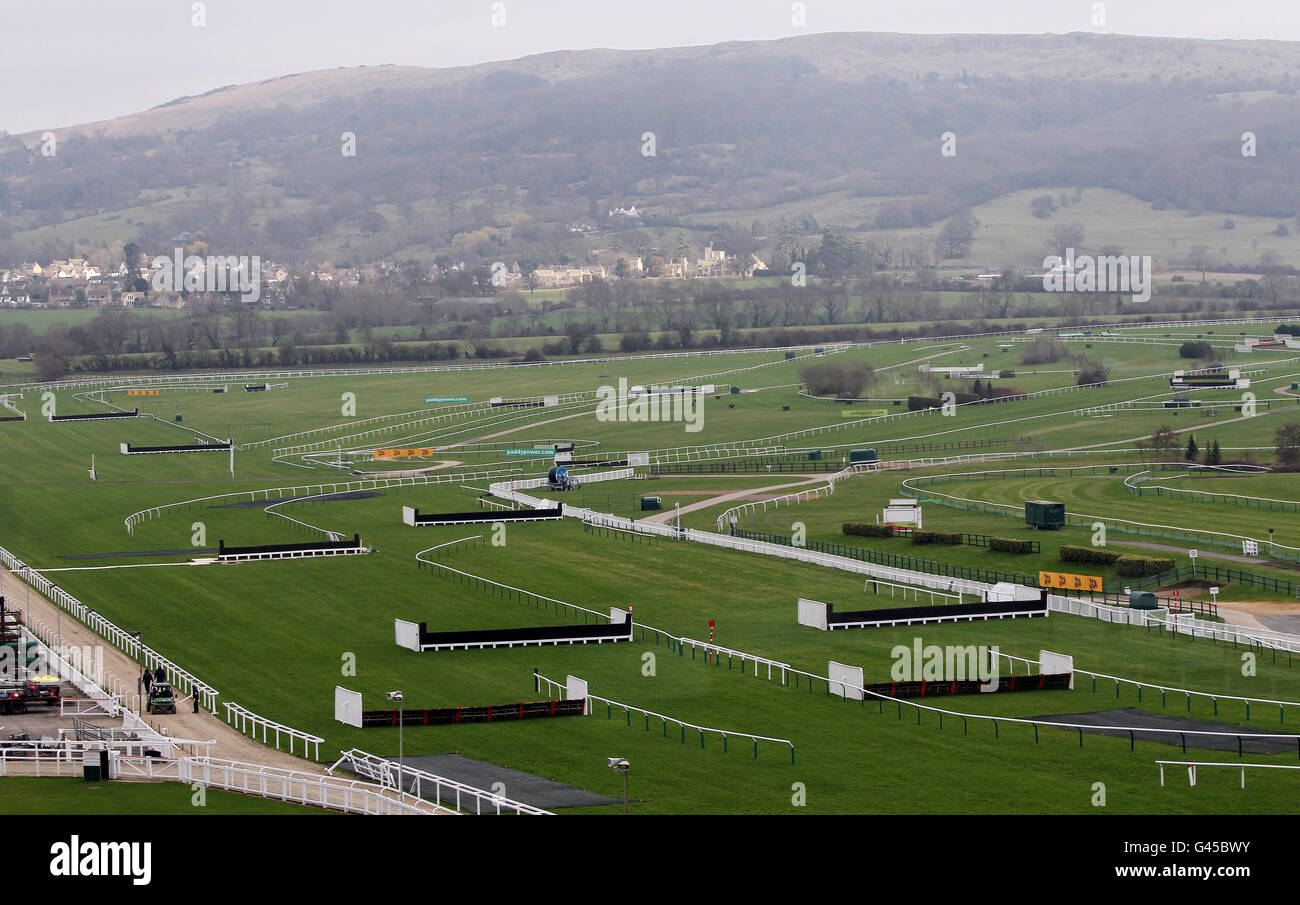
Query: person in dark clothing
x=146 y=680
x=159 y=674
x=194 y=693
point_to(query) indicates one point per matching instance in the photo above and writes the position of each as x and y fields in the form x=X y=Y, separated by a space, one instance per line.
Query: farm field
x=717 y=650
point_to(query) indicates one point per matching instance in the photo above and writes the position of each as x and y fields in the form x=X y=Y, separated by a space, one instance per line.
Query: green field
x=47 y=795
x=273 y=636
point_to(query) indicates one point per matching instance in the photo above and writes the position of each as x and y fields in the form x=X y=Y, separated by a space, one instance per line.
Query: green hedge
x=1131 y=565
x=1011 y=545
x=936 y=537
x=1072 y=553
x=917 y=403
x=867 y=529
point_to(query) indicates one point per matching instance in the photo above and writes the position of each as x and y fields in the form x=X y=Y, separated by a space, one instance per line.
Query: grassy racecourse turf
x=272 y=636
x=66 y=795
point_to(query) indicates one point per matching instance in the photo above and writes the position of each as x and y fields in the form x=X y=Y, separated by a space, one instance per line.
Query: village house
x=99 y=295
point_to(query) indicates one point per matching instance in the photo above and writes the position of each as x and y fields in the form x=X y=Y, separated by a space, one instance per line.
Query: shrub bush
x=838 y=378
x=916 y=403
x=936 y=537
x=1042 y=350
x=1072 y=553
x=1193 y=349
x=1130 y=565
x=1011 y=545
x=1093 y=375
x=867 y=529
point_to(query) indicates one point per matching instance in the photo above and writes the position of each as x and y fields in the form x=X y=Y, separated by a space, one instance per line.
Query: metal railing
x=320 y=489
x=296 y=787
x=558 y=688
x=798 y=496
x=124 y=641
x=390 y=774
x=248 y=723
x=1193 y=765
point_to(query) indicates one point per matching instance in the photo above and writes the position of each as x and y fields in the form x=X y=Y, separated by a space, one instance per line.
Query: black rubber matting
x=1176 y=728
x=525 y=787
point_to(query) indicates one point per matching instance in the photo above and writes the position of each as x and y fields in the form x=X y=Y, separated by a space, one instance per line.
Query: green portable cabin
x=651 y=502
x=1143 y=600
x=789 y=355
x=735 y=391
x=862 y=455
x=814 y=455
x=1045 y=514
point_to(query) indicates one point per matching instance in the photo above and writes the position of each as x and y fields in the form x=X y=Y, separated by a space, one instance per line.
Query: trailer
x=19 y=697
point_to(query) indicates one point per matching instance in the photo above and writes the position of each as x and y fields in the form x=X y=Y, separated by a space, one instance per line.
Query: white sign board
x=846 y=681
x=638 y=458
x=1191 y=554
x=903 y=512
x=408 y=516
x=347 y=706
x=576 y=689
x=1050 y=664
x=1250 y=548
x=617 y=616
x=407 y=634
x=813 y=613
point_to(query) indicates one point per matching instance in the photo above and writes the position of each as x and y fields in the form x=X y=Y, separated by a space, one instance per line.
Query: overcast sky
x=74 y=61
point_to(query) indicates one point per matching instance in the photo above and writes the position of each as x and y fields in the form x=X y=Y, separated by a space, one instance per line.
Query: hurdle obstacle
x=96 y=416
x=414 y=518
x=290 y=551
x=129 y=450
x=417 y=637
x=817 y=614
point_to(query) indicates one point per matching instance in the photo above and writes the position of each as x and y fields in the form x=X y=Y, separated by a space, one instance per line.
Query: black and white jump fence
x=821 y=615
x=417 y=637
x=483 y=713
x=96 y=416
x=290 y=551
x=416 y=519
x=129 y=450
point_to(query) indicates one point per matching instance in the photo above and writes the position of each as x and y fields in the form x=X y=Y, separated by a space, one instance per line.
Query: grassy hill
x=840 y=128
